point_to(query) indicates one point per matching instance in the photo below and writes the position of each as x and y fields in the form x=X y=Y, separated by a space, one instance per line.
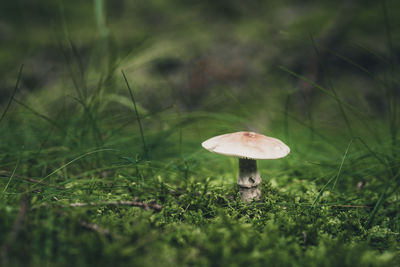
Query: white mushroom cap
x=247 y=145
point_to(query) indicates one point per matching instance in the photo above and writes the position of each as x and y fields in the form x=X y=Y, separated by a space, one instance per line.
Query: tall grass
x=385 y=154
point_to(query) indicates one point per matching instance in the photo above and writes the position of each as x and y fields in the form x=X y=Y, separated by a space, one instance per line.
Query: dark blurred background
x=188 y=52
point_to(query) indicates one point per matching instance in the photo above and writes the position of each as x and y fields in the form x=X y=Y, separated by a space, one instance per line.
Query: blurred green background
x=320 y=75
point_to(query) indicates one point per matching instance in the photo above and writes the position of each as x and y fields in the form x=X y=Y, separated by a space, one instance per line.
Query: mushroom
x=248 y=147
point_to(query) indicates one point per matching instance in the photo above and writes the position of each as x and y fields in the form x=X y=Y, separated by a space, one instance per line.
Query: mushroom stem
x=248 y=173
x=248 y=180
x=250 y=194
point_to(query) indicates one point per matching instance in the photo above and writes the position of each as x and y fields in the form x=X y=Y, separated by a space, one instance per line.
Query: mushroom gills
x=248 y=174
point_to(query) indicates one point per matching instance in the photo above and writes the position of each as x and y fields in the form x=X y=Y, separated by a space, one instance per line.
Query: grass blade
x=321 y=88
x=341 y=164
x=13 y=94
x=75 y=159
x=9 y=180
x=40 y=115
x=137 y=115
x=381 y=198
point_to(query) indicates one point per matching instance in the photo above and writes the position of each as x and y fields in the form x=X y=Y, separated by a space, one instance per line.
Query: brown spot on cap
x=249 y=134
